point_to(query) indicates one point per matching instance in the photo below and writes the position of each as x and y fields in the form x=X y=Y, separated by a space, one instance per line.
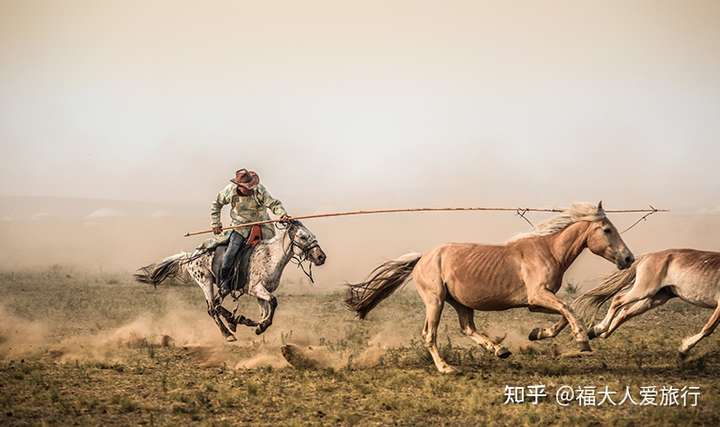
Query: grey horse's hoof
x=584 y=346
x=503 y=353
x=230 y=338
x=535 y=334
x=261 y=328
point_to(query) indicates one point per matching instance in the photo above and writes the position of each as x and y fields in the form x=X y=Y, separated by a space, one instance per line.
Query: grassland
x=79 y=348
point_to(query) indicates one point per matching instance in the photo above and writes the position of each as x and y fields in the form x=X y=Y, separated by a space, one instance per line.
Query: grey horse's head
x=305 y=242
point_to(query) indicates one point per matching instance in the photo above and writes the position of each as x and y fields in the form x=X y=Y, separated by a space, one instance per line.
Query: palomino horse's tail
x=383 y=281
x=155 y=274
x=588 y=304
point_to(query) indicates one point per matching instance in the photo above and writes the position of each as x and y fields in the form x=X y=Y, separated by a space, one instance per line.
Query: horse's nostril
x=629 y=260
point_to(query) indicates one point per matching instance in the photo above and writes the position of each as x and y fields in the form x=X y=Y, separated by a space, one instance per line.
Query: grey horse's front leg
x=269 y=314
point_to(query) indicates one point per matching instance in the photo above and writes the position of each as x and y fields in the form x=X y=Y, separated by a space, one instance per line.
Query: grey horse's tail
x=588 y=304
x=383 y=281
x=155 y=274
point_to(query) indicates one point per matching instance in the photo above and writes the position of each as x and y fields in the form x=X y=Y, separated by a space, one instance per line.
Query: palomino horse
x=266 y=266
x=525 y=272
x=651 y=281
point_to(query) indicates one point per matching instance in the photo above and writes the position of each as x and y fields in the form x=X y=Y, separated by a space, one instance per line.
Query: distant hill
x=42 y=208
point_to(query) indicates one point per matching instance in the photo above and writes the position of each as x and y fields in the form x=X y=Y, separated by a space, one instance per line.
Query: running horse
x=527 y=272
x=265 y=267
x=654 y=279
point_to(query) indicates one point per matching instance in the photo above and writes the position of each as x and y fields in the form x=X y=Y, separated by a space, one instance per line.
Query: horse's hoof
x=535 y=334
x=230 y=338
x=260 y=329
x=585 y=347
x=503 y=353
x=447 y=369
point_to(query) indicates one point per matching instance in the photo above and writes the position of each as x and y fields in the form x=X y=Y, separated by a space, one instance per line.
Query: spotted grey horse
x=265 y=268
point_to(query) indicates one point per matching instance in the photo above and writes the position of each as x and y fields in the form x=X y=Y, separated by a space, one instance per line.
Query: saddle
x=241 y=266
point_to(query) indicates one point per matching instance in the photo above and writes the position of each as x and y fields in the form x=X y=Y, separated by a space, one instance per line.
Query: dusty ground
x=78 y=348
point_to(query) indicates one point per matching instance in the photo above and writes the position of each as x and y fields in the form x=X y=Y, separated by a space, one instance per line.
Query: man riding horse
x=249 y=202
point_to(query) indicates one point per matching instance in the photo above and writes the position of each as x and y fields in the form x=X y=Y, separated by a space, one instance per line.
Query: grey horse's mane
x=576 y=212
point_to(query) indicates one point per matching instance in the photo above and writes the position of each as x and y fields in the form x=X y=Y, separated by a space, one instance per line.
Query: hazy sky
x=344 y=104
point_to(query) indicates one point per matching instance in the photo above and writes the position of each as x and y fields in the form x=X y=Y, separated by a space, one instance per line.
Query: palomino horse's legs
x=646 y=285
x=433 y=311
x=636 y=309
x=467 y=325
x=433 y=295
x=708 y=329
x=551 y=332
x=546 y=299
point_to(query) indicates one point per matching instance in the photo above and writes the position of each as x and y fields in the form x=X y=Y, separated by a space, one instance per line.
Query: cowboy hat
x=246 y=179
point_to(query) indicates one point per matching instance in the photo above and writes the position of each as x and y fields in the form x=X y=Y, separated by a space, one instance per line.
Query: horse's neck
x=280 y=252
x=567 y=244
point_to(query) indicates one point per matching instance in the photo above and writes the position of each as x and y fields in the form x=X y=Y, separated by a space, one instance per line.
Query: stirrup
x=222 y=292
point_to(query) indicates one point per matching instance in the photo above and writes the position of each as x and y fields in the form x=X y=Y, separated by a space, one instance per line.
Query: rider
x=249 y=201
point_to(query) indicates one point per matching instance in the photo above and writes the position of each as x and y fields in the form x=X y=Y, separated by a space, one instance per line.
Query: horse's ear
x=600 y=208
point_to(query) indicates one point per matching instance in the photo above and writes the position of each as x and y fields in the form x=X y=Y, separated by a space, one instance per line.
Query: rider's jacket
x=244 y=209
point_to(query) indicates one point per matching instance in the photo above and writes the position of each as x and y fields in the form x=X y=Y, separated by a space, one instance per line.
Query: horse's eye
x=607 y=231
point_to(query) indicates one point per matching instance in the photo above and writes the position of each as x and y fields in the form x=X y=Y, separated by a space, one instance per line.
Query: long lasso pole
x=519 y=211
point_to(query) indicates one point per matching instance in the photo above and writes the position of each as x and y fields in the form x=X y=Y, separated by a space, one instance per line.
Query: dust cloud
x=18 y=336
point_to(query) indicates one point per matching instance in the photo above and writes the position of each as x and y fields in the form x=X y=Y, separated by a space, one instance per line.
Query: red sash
x=255 y=235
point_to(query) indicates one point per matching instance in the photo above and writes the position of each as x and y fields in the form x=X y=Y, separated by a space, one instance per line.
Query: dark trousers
x=236 y=242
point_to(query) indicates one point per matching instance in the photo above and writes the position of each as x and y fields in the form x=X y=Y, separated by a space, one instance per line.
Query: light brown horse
x=525 y=272
x=651 y=281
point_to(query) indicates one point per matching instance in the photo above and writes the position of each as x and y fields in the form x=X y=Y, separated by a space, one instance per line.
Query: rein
x=302 y=258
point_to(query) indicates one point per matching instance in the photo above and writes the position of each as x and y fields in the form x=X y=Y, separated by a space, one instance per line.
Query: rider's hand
x=285 y=217
x=217 y=229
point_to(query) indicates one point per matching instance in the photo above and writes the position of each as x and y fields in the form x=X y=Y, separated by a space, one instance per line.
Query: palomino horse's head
x=604 y=240
x=305 y=242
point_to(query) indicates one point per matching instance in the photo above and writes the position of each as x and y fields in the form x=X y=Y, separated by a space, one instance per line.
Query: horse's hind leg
x=551 y=332
x=213 y=312
x=638 y=308
x=647 y=284
x=689 y=342
x=203 y=278
x=233 y=320
x=467 y=325
x=433 y=292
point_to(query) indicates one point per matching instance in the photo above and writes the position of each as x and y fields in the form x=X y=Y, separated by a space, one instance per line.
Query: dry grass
x=96 y=349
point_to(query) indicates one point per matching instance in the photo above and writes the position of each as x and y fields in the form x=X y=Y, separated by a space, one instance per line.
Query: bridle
x=301 y=258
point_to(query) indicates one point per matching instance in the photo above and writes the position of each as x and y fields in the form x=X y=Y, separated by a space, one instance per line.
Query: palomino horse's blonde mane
x=576 y=212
